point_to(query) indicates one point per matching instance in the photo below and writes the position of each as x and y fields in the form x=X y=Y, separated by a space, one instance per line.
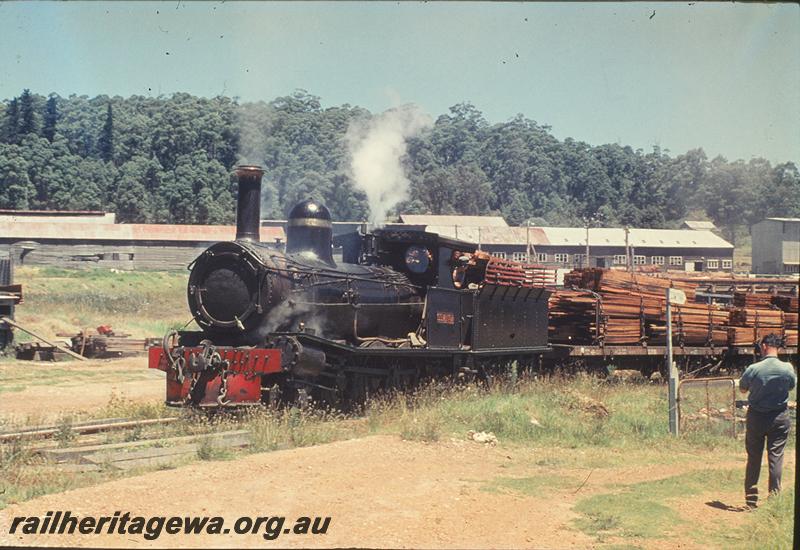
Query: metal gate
x=708 y=404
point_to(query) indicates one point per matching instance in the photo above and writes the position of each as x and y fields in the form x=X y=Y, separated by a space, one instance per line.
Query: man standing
x=769 y=382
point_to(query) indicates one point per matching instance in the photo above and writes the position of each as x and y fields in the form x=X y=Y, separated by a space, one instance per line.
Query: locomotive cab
x=427 y=259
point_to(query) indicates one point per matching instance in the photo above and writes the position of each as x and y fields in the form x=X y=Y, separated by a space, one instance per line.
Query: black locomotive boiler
x=402 y=307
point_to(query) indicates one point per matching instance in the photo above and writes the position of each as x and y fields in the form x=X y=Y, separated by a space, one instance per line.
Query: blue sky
x=722 y=76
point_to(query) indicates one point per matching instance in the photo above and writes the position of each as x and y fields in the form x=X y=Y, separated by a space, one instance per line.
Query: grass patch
x=282 y=429
x=771 y=525
x=544 y=412
x=207 y=450
x=121 y=407
x=534 y=486
x=641 y=510
x=15 y=377
x=141 y=303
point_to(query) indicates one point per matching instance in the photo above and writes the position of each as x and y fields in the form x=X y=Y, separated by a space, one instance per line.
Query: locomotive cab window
x=459 y=263
x=418 y=259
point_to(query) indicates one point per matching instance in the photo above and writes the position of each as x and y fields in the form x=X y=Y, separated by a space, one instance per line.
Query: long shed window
x=519 y=256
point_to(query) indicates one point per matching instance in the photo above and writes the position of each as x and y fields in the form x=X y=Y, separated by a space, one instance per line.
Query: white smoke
x=377 y=147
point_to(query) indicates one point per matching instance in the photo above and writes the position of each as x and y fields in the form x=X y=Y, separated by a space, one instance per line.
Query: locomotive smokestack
x=248 y=204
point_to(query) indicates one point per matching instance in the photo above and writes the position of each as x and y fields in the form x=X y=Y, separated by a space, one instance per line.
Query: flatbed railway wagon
x=690 y=360
x=604 y=318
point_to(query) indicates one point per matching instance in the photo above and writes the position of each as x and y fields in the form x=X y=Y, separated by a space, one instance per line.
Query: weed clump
x=285 y=428
x=65 y=434
x=207 y=450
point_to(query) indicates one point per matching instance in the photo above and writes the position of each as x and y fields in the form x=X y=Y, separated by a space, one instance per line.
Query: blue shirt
x=769 y=382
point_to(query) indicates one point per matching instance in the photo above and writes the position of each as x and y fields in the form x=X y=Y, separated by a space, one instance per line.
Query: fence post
x=671 y=370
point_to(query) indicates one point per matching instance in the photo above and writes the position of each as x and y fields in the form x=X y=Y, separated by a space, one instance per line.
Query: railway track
x=86 y=427
x=118 y=444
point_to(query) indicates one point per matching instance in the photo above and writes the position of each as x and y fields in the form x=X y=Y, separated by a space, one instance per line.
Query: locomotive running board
x=421 y=352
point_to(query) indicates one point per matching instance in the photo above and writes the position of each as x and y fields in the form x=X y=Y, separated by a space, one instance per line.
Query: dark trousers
x=774 y=427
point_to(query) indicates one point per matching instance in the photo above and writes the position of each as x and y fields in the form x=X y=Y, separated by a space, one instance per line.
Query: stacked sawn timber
x=694 y=324
x=755 y=315
x=752 y=300
x=572 y=317
x=789 y=305
x=618 y=307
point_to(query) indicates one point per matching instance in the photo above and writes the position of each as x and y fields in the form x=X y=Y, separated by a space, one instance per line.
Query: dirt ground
x=28 y=391
x=379 y=491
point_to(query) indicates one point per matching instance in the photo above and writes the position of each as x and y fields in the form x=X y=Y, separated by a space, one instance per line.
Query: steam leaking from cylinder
x=377 y=147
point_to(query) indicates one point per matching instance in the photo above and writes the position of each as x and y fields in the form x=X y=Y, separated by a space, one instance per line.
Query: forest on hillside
x=168 y=160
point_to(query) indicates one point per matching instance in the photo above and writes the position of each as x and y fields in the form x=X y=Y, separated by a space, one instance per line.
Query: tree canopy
x=168 y=160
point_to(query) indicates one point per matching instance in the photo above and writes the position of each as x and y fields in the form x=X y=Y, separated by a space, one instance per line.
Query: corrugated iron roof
x=12 y=212
x=31 y=230
x=652 y=238
x=461 y=221
x=491 y=235
x=576 y=236
x=63 y=216
x=699 y=224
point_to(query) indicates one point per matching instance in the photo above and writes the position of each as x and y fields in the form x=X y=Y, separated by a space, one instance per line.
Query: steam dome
x=309 y=229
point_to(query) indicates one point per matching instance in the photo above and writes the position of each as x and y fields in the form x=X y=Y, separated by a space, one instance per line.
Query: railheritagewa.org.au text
x=153 y=527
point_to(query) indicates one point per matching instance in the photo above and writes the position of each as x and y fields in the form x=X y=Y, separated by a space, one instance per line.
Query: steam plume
x=377 y=147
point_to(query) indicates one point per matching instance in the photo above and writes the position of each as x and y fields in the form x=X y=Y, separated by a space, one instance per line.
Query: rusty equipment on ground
x=10 y=296
x=107 y=343
x=42 y=339
x=37 y=351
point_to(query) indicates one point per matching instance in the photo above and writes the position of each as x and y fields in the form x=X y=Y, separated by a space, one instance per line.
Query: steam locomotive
x=403 y=306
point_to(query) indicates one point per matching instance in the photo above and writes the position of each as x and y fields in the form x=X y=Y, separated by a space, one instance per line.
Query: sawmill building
x=88 y=239
x=565 y=247
x=776 y=246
